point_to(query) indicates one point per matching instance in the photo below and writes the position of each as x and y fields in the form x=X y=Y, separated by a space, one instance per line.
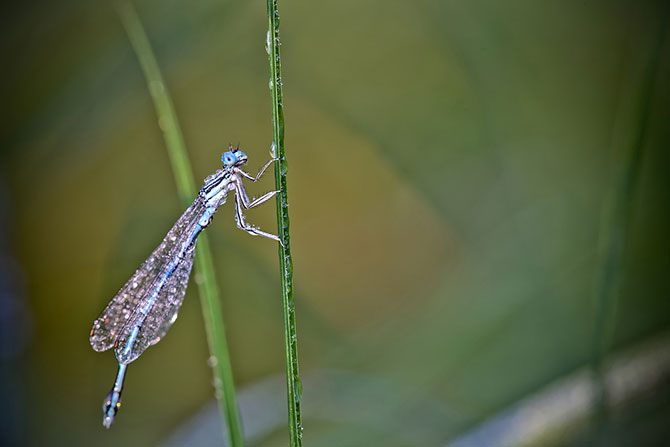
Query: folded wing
x=154 y=325
x=137 y=292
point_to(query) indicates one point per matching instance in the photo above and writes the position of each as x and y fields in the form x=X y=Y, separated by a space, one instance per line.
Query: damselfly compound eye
x=228 y=158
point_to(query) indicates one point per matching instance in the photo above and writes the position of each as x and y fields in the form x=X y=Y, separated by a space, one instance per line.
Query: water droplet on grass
x=298 y=390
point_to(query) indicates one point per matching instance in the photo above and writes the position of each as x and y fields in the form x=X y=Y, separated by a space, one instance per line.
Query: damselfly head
x=234 y=157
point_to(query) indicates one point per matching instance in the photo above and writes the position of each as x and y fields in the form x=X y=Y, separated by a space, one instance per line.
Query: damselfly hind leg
x=243 y=225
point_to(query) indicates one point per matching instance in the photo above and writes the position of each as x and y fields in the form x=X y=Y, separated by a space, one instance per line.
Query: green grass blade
x=614 y=231
x=207 y=287
x=293 y=385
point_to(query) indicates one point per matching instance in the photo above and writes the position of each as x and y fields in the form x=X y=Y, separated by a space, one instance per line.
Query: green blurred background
x=452 y=167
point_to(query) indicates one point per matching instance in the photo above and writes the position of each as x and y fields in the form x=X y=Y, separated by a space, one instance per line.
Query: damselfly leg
x=242 y=223
x=260 y=173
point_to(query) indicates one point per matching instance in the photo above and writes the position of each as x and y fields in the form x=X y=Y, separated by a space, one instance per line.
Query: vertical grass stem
x=293 y=385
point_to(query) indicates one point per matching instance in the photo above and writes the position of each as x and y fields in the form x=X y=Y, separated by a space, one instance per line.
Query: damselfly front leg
x=260 y=173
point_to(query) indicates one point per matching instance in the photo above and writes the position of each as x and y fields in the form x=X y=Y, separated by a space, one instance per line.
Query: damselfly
x=143 y=310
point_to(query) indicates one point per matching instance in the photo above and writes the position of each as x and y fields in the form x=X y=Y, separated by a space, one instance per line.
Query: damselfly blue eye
x=228 y=158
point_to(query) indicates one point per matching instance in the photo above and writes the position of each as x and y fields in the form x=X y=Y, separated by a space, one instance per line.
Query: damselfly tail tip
x=110 y=406
x=107 y=421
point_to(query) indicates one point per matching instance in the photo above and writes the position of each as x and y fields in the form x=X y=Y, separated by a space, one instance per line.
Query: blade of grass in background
x=211 y=308
x=617 y=219
x=293 y=385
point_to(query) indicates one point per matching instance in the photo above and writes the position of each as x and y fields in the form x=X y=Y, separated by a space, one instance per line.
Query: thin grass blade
x=618 y=215
x=207 y=287
x=293 y=384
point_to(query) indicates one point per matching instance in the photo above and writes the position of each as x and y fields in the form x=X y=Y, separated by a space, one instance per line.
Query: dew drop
x=156 y=87
x=298 y=390
x=198 y=278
